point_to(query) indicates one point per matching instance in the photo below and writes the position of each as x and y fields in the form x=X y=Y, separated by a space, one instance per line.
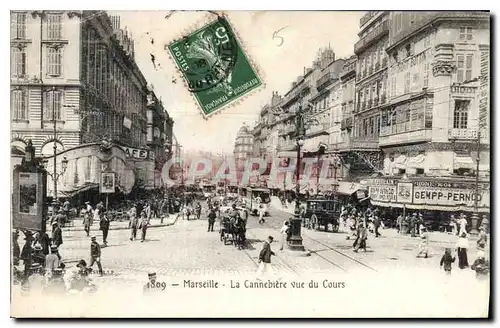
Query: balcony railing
x=318 y=128
x=324 y=80
x=365 y=42
x=358 y=143
x=462 y=134
x=375 y=102
x=377 y=66
x=369 y=104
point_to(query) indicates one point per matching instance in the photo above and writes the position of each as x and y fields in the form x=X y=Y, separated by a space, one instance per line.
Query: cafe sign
x=137 y=153
x=450 y=193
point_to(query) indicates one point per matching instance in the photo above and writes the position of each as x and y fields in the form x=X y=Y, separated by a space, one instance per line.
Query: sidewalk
x=122 y=225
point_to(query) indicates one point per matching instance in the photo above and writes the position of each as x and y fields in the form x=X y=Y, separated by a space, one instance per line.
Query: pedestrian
x=133 y=222
x=413 y=222
x=453 y=225
x=57 y=239
x=420 y=223
x=485 y=223
x=16 y=250
x=143 y=225
x=483 y=238
x=462 y=245
x=284 y=234
x=51 y=261
x=211 y=220
x=104 y=226
x=462 y=224
x=376 y=225
x=424 y=244
x=87 y=219
x=95 y=254
x=399 y=223
x=362 y=237
x=265 y=259
x=447 y=260
x=481 y=266
x=261 y=212
x=198 y=210
x=406 y=222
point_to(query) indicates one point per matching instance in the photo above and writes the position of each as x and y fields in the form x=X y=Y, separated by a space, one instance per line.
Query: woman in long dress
x=462 y=245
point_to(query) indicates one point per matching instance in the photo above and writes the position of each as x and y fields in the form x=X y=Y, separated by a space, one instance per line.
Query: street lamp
x=296 y=238
x=55 y=175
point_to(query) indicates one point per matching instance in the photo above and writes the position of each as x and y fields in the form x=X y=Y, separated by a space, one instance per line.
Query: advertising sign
x=108 y=182
x=450 y=193
x=383 y=190
x=405 y=192
x=28 y=197
x=138 y=153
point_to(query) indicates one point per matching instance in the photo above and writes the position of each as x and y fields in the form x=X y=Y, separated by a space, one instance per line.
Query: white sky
x=304 y=33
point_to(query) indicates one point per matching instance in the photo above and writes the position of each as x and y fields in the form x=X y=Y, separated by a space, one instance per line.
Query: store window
x=461 y=114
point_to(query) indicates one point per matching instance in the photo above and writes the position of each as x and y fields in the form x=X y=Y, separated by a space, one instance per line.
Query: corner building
x=438 y=102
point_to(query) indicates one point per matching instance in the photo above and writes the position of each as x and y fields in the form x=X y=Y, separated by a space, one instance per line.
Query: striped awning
x=431 y=207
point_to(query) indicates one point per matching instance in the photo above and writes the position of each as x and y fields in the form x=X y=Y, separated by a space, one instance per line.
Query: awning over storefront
x=347 y=188
x=76 y=191
x=461 y=208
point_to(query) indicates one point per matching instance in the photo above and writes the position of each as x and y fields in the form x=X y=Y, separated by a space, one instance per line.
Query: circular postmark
x=211 y=55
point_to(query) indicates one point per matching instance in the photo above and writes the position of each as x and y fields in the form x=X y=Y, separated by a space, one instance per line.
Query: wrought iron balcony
x=382 y=99
x=324 y=80
x=375 y=101
x=374 y=35
x=377 y=66
x=369 y=104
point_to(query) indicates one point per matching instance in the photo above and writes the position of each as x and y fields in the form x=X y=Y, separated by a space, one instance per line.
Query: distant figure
x=211 y=220
x=143 y=225
x=95 y=254
x=284 y=234
x=446 y=261
x=362 y=237
x=483 y=238
x=481 y=266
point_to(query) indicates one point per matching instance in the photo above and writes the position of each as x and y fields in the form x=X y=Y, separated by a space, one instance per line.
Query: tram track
x=326 y=259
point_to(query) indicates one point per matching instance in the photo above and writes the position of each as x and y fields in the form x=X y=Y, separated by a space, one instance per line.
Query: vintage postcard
x=238 y=164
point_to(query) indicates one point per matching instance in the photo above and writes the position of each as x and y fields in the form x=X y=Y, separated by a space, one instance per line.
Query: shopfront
x=430 y=194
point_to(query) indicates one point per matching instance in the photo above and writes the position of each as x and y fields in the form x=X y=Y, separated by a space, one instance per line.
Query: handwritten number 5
x=276 y=36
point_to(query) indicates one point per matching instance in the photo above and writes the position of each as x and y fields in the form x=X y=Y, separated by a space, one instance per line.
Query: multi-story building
x=438 y=102
x=362 y=154
x=243 y=149
x=159 y=135
x=75 y=83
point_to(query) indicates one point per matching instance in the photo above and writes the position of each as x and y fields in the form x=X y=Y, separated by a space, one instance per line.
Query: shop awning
x=347 y=188
x=431 y=207
x=73 y=192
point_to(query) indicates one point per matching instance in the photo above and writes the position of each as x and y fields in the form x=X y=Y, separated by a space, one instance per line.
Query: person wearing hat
x=144 y=222
x=485 y=223
x=211 y=219
x=51 y=261
x=95 y=254
x=133 y=222
x=462 y=245
x=57 y=239
x=413 y=223
x=483 y=238
x=284 y=234
x=87 y=219
x=104 y=225
x=424 y=245
x=481 y=266
x=462 y=224
x=265 y=258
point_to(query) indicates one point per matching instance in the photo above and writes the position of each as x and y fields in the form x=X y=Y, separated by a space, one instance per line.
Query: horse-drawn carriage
x=232 y=228
x=321 y=212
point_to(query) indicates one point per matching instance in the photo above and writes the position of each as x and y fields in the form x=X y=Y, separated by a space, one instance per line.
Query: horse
x=238 y=230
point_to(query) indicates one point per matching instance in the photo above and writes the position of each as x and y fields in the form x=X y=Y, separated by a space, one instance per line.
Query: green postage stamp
x=214 y=66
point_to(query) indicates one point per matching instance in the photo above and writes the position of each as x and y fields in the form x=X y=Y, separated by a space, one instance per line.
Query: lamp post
x=295 y=242
x=56 y=175
x=475 y=215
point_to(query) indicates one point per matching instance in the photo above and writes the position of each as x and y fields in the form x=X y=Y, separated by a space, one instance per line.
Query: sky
x=279 y=61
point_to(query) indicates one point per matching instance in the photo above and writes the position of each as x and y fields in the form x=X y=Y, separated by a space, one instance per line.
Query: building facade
x=435 y=131
x=74 y=85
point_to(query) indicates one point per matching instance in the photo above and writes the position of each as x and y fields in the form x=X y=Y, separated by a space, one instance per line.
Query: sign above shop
x=138 y=153
x=463 y=89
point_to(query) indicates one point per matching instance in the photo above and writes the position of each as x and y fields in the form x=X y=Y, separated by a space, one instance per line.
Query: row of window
x=54 y=61
x=52 y=26
x=52 y=104
x=372 y=61
x=372 y=95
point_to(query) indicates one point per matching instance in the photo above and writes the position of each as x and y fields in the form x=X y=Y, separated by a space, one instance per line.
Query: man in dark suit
x=104 y=226
x=57 y=237
x=265 y=258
